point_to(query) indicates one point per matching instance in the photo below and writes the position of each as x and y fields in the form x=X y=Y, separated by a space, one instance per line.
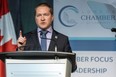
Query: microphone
x=56 y=49
x=113 y=29
x=54 y=40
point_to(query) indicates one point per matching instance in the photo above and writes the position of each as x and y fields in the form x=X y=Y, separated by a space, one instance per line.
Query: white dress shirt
x=48 y=35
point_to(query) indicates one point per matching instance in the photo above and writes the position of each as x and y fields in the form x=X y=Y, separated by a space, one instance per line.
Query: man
x=55 y=40
x=33 y=40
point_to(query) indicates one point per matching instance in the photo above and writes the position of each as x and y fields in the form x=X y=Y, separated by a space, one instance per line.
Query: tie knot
x=44 y=32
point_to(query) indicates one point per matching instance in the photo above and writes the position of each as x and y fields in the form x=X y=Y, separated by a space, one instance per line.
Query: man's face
x=43 y=17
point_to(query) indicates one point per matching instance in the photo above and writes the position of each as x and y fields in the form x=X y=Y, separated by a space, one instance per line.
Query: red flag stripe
x=2 y=69
x=3 y=7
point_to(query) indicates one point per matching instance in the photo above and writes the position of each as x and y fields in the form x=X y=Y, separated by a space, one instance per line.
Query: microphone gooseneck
x=54 y=40
x=56 y=49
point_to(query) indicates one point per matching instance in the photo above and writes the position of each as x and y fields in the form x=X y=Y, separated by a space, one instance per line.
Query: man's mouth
x=43 y=23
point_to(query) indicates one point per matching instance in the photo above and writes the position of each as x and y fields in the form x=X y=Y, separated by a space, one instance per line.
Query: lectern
x=39 y=64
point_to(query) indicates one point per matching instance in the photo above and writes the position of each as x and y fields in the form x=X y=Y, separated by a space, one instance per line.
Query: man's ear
x=52 y=18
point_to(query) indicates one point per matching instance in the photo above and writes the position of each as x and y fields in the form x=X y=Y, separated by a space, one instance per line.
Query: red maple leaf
x=8 y=46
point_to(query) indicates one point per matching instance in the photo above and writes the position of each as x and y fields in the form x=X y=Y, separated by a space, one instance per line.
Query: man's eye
x=46 y=14
x=38 y=15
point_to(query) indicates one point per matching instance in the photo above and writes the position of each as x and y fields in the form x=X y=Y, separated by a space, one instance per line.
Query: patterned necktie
x=43 y=40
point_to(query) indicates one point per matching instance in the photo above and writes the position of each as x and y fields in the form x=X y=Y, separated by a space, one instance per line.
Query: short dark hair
x=47 y=5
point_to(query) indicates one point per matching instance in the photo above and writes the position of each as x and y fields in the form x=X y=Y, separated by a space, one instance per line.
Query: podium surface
x=40 y=56
x=38 y=68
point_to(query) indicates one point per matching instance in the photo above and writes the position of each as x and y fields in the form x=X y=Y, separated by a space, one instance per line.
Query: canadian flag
x=8 y=41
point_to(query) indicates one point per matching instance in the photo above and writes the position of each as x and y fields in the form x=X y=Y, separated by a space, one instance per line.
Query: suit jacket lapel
x=35 y=39
x=53 y=42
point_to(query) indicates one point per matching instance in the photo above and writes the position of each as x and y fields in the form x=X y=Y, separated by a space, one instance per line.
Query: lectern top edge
x=40 y=55
x=47 y=52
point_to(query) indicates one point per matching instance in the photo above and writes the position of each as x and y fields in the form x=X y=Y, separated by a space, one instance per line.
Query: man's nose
x=42 y=18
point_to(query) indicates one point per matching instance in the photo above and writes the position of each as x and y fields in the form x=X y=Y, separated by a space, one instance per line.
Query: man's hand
x=21 y=40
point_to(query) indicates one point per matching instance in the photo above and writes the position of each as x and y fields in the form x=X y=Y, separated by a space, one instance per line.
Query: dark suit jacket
x=62 y=42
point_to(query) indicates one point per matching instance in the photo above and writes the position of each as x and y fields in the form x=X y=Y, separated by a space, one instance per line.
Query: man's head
x=43 y=15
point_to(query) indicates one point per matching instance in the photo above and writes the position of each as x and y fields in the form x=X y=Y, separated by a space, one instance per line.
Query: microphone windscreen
x=113 y=29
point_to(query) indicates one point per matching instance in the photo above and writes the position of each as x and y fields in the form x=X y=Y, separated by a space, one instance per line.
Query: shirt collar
x=50 y=30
